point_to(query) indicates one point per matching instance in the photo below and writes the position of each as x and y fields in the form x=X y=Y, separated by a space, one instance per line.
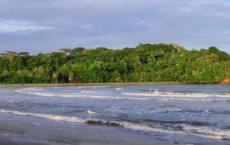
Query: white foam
x=133 y=96
x=205 y=132
x=82 y=94
x=167 y=94
x=142 y=127
x=186 y=96
x=146 y=95
x=227 y=95
x=35 y=91
x=29 y=89
x=87 y=91
x=46 y=116
x=71 y=95
x=91 y=112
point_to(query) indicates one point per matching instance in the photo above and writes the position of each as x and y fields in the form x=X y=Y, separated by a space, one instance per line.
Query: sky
x=47 y=25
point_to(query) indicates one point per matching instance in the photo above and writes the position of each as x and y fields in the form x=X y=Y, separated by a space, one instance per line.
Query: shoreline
x=100 y=84
x=85 y=84
x=14 y=128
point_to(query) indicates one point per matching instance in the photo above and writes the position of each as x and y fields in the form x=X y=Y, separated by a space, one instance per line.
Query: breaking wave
x=46 y=116
x=167 y=95
x=196 y=129
x=82 y=94
x=140 y=95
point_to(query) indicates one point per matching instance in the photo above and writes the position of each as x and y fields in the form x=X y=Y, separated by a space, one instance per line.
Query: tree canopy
x=144 y=63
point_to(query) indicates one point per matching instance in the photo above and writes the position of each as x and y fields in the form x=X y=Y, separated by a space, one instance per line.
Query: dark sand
x=22 y=130
x=18 y=141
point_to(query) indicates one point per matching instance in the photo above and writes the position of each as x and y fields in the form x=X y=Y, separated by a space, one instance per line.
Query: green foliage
x=145 y=63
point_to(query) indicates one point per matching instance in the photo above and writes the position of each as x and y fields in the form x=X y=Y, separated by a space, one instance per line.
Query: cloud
x=113 y=23
x=13 y=26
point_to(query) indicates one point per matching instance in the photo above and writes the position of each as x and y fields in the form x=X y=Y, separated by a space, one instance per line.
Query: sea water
x=194 y=114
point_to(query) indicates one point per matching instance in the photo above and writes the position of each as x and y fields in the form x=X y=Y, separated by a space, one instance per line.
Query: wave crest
x=187 y=129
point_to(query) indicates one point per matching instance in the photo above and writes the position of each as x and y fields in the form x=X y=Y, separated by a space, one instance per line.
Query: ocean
x=187 y=114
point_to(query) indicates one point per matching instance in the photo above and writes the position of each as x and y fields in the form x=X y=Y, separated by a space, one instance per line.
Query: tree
x=144 y=63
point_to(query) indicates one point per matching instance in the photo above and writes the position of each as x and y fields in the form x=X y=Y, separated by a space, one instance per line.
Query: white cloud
x=13 y=26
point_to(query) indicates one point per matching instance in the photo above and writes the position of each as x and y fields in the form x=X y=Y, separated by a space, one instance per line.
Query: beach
x=37 y=131
x=19 y=141
x=114 y=72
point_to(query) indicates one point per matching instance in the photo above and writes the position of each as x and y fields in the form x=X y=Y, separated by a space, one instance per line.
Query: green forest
x=144 y=63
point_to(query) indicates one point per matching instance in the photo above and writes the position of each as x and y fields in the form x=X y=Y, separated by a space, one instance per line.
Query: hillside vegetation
x=145 y=63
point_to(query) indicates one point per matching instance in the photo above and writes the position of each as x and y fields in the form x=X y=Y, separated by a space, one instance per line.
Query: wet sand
x=19 y=141
x=18 y=130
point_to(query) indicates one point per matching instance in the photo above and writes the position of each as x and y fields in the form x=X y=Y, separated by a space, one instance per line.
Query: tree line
x=144 y=63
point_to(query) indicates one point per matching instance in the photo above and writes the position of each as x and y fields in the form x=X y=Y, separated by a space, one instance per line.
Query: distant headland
x=144 y=63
